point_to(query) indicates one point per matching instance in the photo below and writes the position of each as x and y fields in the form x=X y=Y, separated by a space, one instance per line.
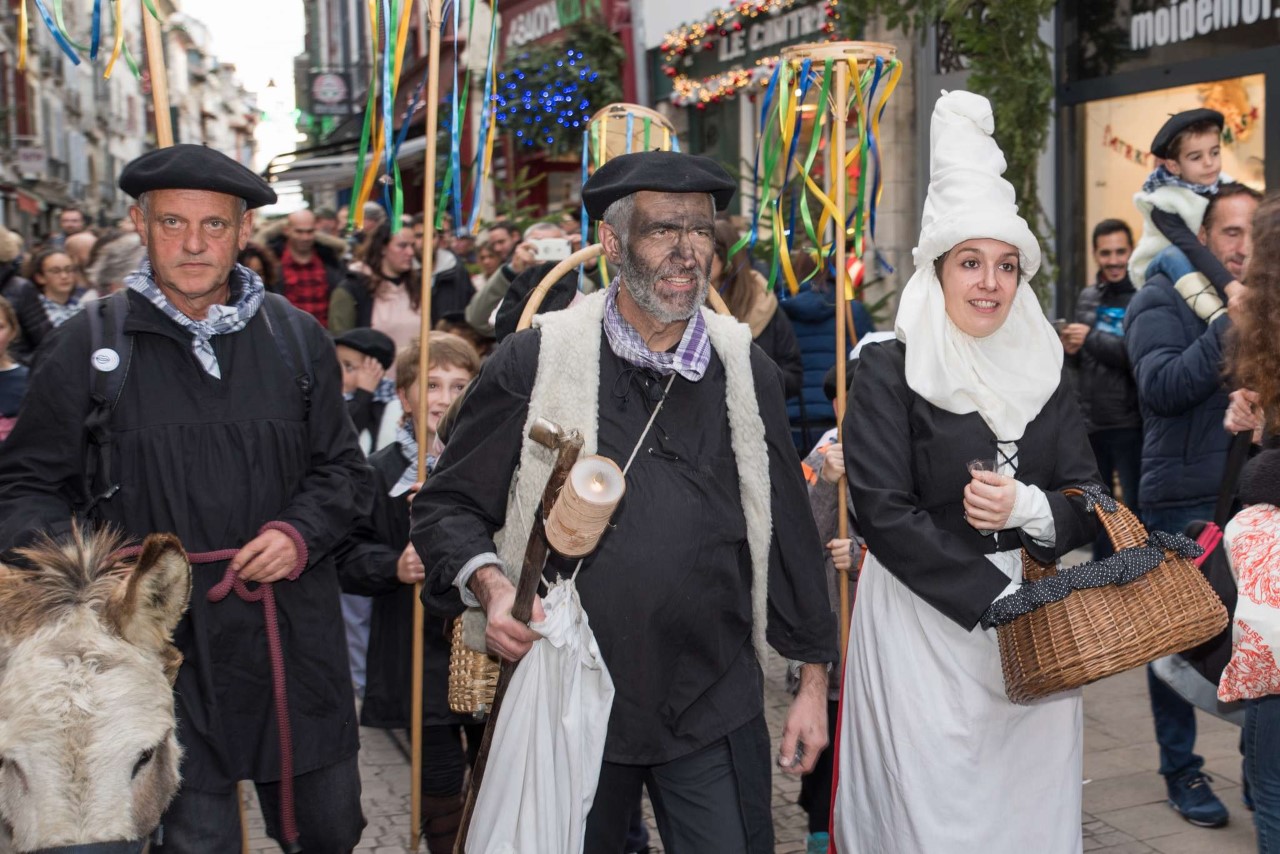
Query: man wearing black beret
x=214 y=410
x=712 y=553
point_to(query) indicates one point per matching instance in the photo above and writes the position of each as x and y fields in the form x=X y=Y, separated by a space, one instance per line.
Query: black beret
x=1177 y=124
x=660 y=172
x=194 y=167
x=371 y=342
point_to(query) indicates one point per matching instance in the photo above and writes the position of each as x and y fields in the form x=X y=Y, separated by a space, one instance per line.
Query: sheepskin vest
x=566 y=392
x=1187 y=204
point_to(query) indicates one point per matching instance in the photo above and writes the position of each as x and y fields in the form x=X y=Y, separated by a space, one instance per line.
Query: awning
x=332 y=166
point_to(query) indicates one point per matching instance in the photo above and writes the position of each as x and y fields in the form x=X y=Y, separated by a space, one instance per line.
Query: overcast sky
x=261 y=37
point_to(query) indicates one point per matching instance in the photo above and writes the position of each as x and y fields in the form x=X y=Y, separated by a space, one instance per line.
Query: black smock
x=367 y=567
x=212 y=460
x=907 y=462
x=668 y=590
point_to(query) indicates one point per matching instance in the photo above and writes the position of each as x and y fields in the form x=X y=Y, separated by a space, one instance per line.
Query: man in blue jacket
x=1176 y=346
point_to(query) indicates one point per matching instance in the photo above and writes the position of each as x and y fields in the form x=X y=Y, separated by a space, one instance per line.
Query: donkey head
x=87 y=746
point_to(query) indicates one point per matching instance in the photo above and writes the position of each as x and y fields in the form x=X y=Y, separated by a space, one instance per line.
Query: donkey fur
x=87 y=745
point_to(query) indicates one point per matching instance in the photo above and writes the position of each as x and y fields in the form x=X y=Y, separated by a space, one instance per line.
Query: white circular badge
x=105 y=360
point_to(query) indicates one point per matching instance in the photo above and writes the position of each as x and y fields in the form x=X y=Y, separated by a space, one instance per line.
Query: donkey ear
x=156 y=594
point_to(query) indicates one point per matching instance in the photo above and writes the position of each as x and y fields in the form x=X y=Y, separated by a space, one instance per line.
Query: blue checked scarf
x=408 y=442
x=222 y=319
x=690 y=359
x=58 y=313
x=1162 y=177
x=383 y=392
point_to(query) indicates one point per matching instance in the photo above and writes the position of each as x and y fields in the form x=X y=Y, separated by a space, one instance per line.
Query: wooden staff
x=159 y=80
x=420 y=417
x=842 y=352
x=567 y=447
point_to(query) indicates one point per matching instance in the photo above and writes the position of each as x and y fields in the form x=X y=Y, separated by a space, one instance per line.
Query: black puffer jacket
x=1108 y=393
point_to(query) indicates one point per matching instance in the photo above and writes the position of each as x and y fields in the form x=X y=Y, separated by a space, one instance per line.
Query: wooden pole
x=420 y=417
x=840 y=178
x=159 y=79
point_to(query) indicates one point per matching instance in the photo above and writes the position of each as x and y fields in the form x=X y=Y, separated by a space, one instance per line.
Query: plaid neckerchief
x=690 y=359
x=408 y=442
x=222 y=319
x=59 y=313
x=1162 y=177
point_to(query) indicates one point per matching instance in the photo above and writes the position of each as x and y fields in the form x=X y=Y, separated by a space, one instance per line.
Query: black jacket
x=1177 y=362
x=32 y=318
x=212 y=460
x=367 y=567
x=907 y=476
x=1108 y=393
x=778 y=341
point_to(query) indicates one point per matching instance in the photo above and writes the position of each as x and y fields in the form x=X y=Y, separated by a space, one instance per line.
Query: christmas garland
x=680 y=45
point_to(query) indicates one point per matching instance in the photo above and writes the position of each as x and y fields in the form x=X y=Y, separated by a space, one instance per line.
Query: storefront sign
x=764 y=37
x=32 y=162
x=330 y=94
x=1112 y=38
x=1193 y=19
x=531 y=23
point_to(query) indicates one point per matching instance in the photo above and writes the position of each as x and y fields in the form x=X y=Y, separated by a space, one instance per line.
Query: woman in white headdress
x=934 y=757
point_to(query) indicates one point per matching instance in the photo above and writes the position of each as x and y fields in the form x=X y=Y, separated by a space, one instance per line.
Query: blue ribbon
x=63 y=44
x=485 y=123
x=95 y=36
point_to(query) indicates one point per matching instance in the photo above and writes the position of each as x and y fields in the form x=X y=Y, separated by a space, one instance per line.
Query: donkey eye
x=143 y=759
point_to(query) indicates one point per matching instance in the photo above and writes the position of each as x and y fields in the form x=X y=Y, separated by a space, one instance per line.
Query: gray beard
x=642 y=283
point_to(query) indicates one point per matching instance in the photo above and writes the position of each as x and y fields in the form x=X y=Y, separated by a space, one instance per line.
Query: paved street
x=1125 y=811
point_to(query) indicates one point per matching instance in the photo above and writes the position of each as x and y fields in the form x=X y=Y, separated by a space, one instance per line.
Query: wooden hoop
x=839 y=50
x=714 y=301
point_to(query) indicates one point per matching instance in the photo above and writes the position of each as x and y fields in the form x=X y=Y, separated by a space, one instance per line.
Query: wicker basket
x=1096 y=632
x=473 y=676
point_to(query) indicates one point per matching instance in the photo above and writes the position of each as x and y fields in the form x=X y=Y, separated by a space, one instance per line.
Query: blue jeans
x=1262 y=768
x=1174 y=717
x=1119 y=455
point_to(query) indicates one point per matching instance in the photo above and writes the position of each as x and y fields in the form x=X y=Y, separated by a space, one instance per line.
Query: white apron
x=934 y=758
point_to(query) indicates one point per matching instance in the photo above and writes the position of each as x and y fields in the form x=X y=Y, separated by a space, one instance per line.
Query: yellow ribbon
x=119 y=41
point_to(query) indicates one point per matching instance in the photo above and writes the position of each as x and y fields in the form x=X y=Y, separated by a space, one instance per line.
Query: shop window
x=1118 y=133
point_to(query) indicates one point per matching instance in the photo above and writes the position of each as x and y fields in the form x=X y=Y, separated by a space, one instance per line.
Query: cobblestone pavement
x=1124 y=799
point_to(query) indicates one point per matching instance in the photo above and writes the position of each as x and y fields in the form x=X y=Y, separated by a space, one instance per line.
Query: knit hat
x=968 y=197
x=1260 y=479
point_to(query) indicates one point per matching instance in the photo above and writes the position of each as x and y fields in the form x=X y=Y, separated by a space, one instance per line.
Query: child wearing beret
x=1173 y=202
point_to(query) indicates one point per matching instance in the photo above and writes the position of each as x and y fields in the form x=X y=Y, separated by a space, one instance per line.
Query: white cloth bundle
x=544 y=761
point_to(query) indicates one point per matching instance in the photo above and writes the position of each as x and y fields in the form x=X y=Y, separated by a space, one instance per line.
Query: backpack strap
x=285 y=323
x=110 y=353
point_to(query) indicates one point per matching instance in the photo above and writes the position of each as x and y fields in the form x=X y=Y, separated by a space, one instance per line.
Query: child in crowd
x=378 y=561
x=1173 y=201
x=365 y=355
x=13 y=376
x=823 y=469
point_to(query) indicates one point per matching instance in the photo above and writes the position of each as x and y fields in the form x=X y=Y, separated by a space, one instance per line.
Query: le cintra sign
x=763 y=37
x=1101 y=39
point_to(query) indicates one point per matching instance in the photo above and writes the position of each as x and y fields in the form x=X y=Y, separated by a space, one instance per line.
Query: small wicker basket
x=1100 y=631
x=473 y=676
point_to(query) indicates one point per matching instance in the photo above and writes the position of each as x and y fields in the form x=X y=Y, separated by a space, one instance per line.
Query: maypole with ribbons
x=837 y=87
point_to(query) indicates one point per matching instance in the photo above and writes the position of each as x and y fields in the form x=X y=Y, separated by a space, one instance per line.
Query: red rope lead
x=264 y=593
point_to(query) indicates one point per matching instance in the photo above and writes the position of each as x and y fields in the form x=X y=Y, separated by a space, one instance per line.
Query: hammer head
x=545 y=433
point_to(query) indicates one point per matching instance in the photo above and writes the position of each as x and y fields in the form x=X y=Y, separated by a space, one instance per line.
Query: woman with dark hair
x=385 y=297
x=749 y=299
x=1252 y=538
x=262 y=261
x=50 y=296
